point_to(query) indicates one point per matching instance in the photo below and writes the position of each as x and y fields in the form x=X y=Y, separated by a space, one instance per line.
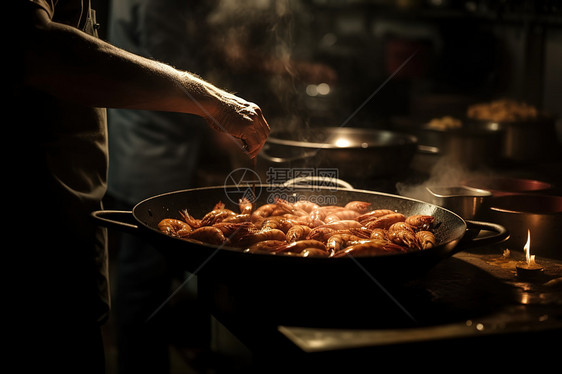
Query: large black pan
x=452 y=234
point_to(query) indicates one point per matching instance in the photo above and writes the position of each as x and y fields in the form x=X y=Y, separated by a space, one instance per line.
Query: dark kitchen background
x=333 y=63
x=378 y=64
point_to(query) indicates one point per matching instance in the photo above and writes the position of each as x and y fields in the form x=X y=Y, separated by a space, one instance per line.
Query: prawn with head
x=278 y=222
x=174 y=227
x=207 y=234
x=420 y=222
x=425 y=239
x=403 y=234
x=262 y=212
x=385 y=221
x=297 y=232
x=337 y=242
x=254 y=236
x=216 y=215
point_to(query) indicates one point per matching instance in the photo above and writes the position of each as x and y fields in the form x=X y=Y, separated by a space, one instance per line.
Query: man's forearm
x=75 y=66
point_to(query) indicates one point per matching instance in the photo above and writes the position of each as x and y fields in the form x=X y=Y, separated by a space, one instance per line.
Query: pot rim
x=511 y=209
x=473 y=192
x=402 y=139
x=497 y=185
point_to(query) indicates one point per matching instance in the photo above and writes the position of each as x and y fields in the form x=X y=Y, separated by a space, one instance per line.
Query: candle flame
x=527 y=248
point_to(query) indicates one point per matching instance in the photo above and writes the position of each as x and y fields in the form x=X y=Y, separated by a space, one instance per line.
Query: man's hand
x=242 y=120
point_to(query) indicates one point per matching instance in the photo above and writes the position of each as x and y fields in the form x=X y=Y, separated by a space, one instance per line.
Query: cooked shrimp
x=343 y=214
x=330 y=208
x=174 y=227
x=321 y=233
x=404 y=237
x=215 y=216
x=385 y=221
x=307 y=229
x=269 y=246
x=297 y=232
x=373 y=214
x=420 y=221
x=301 y=245
x=314 y=252
x=194 y=223
x=207 y=234
x=372 y=247
x=361 y=232
x=380 y=234
x=344 y=224
x=237 y=218
x=253 y=237
x=338 y=242
x=426 y=239
x=262 y=212
x=245 y=206
x=277 y=222
x=289 y=207
x=399 y=226
x=315 y=218
x=306 y=206
x=230 y=228
x=360 y=207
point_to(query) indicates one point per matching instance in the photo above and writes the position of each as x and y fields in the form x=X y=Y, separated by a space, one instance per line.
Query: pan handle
x=116 y=219
x=472 y=240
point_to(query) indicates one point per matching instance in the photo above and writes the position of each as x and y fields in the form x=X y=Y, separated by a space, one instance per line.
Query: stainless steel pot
x=357 y=153
x=524 y=141
x=469 y=147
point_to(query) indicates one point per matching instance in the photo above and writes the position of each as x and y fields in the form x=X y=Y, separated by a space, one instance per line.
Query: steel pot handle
x=323 y=181
x=116 y=219
x=471 y=239
x=428 y=149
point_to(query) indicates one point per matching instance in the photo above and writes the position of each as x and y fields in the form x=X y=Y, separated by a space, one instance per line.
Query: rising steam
x=446 y=172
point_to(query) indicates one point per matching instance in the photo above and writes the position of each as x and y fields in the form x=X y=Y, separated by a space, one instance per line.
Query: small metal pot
x=465 y=201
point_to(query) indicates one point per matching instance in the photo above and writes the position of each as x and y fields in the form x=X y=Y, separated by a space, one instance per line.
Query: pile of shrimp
x=306 y=229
